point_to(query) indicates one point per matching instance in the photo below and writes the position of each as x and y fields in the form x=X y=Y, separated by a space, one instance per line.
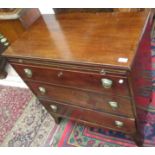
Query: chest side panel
x=141 y=75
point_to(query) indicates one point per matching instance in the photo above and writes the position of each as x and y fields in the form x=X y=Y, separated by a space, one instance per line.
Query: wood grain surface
x=103 y=38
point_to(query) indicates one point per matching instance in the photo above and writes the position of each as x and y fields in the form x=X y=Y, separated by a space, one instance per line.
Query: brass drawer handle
x=42 y=90
x=119 y=124
x=54 y=108
x=106 y=83
x=113 y=105
x=28 y=72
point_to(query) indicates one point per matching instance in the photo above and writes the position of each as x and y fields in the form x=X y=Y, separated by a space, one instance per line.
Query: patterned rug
x=12 y=104
x=74 y=134
x=23 y=120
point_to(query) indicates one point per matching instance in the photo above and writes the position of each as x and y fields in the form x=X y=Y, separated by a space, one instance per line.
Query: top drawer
x=110 y=84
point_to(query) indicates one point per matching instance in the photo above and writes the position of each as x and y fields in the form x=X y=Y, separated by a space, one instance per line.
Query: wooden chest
x=88 y=67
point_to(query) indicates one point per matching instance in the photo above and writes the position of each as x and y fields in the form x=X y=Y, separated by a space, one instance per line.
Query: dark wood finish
x=84 y=37
x=17 y=22
x=3 y=61
x=70 y=78
x=95 y=10
x=95 y=68
x=128 y=9
x=13 y=23
x=29 y=16
x=98 y=102
x=3 y=73
x=73 y=10
x=66 y=54
x=101 y=119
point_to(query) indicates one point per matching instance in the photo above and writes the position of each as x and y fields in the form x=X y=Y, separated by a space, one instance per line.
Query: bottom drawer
x=99 y=119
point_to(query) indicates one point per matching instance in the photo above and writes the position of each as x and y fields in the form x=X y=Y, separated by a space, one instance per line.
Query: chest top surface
x=104 y=38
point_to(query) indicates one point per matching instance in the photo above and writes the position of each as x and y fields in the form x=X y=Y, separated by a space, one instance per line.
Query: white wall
x=13 y=79
x=46 y=10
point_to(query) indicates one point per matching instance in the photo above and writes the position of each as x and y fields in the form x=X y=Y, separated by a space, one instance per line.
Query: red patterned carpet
x=12 y=104
x=23 y=120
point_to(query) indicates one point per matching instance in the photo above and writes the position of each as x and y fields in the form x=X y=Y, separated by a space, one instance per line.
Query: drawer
x=122 y=124
x=108 y=84
x=99 y=102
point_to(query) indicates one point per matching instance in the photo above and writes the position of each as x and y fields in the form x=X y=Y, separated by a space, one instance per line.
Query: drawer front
x=108 y=84
x=122 y=124
x=99 y=102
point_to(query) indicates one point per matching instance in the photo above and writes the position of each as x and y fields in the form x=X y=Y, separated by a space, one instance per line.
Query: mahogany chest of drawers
x=88 y=67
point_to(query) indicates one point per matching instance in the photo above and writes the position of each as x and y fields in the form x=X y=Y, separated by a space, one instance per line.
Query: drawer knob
x=113 y=105
x=60 y=74
x=119 y=124
x=3 y=40
x=54 y=108
x=102 y=72
x=121 y=81
x=28 y=72
x=6 y=44
x=106 y=83
x=42 y=90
